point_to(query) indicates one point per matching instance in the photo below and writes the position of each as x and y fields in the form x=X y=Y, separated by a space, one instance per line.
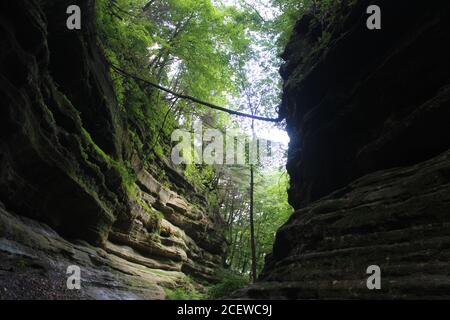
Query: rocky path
x=34 y=261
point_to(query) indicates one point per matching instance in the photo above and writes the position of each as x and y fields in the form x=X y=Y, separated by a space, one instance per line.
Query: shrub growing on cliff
x=183 y=294
x=322 y=11
x=229 y=283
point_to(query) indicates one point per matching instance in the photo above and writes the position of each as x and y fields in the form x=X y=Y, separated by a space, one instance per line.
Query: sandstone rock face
x=397 y=219
x=49 y=167
x=366 y=100
x=368 y=115
x=34 y=261
x=62 y=144
x=165 y=226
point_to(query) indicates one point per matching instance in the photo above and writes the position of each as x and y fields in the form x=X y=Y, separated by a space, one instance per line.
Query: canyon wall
x=368 y=115
x=63 y=148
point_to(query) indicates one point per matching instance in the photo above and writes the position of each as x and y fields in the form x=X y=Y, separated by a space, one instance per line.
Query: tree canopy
x=221 y=52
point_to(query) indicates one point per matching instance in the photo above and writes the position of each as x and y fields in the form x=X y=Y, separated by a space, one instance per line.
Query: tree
x=220 y=54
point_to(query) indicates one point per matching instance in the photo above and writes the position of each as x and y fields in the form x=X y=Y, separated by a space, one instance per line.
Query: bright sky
x=255 y=72
x=264 y=7
x=264 y=129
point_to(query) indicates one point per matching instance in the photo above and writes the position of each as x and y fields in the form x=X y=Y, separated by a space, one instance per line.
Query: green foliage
x=189 y=46
x=293 y=10
x=229 y=283
x=124 y=168
x=270 y=212
x=184 y=294
x=21 y=265
x=217 y=53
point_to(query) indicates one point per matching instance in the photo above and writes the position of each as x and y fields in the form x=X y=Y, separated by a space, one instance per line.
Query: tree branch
x=193 y=99
x=255 y=10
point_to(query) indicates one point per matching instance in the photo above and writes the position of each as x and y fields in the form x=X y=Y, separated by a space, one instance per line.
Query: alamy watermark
x=216 y=147
x=73 y=22
x=74 y=277
x=374 y=20
x=374 y=280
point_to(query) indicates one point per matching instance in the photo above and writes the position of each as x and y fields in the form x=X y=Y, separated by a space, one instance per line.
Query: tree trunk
x=252 y=225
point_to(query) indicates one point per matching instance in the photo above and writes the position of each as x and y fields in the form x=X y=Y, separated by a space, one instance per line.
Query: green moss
x=135 y=141
x=124 y=168
x=154 y=214
x=184 y=294
x=73 y=124
x=156 y=219
x=48 y=114
x=21 y=265
x=322 y=43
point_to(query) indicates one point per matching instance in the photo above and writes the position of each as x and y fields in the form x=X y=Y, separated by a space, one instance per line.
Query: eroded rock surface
x=165 y=226
x=368 y=116
x=365 y=100
x=63 y=145
x=397 y=219
x=34 y=262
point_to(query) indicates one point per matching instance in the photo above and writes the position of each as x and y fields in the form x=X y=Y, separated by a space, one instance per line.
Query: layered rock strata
x=63 y=148
x=368 y=115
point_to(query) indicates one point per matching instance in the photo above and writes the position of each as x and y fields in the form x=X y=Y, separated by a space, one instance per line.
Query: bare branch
x=193 y=99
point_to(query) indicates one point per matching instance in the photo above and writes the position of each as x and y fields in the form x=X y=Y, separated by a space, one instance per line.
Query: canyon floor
x=34 y=261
